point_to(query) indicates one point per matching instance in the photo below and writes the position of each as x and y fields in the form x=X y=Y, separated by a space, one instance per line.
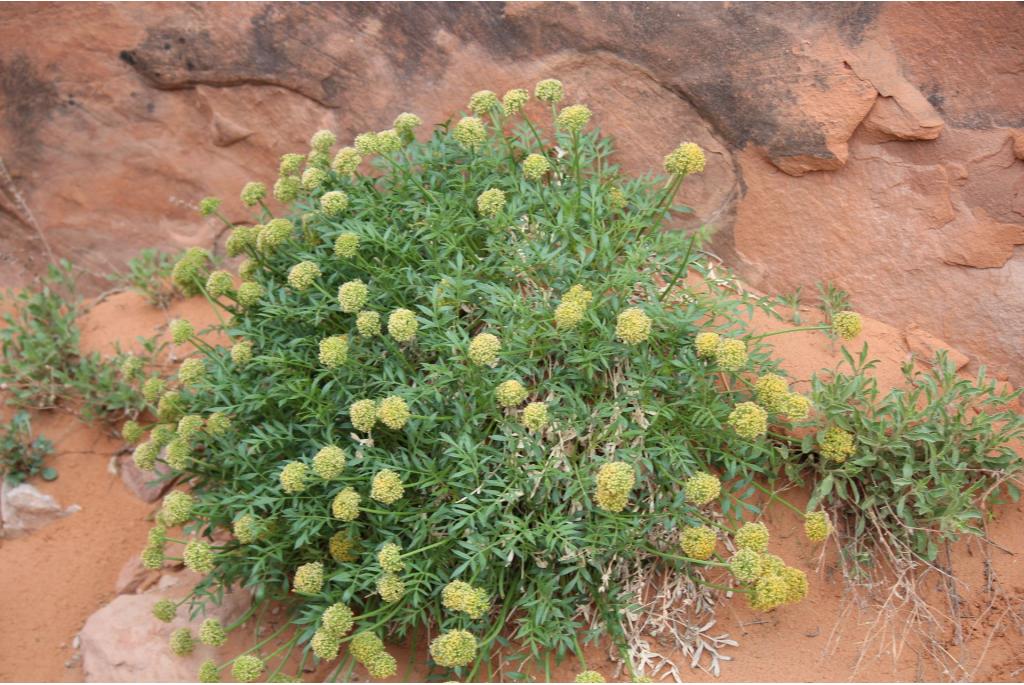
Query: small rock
x=144 y=484
x=76 y=642
x=24 y=508
x=134 y=577
x=925 y=346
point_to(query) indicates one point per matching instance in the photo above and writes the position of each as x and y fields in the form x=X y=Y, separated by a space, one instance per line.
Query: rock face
x=875 y=145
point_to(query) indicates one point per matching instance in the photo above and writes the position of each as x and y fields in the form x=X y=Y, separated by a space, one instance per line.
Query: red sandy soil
x=55 y=578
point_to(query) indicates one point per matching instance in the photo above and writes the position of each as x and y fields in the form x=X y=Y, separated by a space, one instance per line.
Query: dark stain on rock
x=30 y=100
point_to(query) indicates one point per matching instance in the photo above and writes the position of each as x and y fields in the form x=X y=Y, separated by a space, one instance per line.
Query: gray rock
x=23 y=509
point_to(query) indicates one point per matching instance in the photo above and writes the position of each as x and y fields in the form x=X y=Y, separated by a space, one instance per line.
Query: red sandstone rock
x=926 y=346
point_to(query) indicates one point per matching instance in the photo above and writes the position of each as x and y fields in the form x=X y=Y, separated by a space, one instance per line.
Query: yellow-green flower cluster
x=573 y=118
x=469 y=133
x=698 y=542
x=291 y=162
x=132 y=432
x=245 y=529
x=249 y=293
x=367 y=649
x=325 y=645
x=752 y=536
x=177 y=508
x=615 y=480
x=198 y=556
x=322 y=141
x=165 y=610
x=131 y=368
x=393 y=412
x=190 y=271
x=633 y=326
x=406 y=124
x=797 y=407
x=702 y=488
x=333 y=351
x=366 y=143
x=152 y=557
x=402 y=325
x=241 y=353
x=386 y=487
x=309 y=578
x=247 y=269
x=847 y=325
x=286 y=188
x=368 y=323
x=208 y=672
x=346 y=161
x=589 y=677
x=484 y=349
x=490 y=202
x=192 y=371
x=461 y=596
x=252 y=193
x=178 y=454
x=170 y=407
x=617 y=199
x=337 y=620
x=218 y=424
x=388 y=141
x=549 y=90
x=189 y=426
x=390 y=558
x=771 y=582
x=535 y=416
x=345 y=505
x=153 y=388
x=748 y=420
x=313 y=178
x=352 y=296
x=342 y=546
x=209 y=206
x=293 y=477
x=346 y=245
x=303 y=275
x=817 y=526
x=363 y=415
x=482 y=102
x=706 y=344
x=390 y=587
x=535 y=166
x=453 y=649
x=145 y=455
x=746 y=565
x=219 y=283
x=510 y=393
x=247 y=668
x=181 y=642
x=772 y=392
x=181 y=331
x=212 y=633
x=731 y=354
x=688 y=158
x=514 y=100
x=329 y=462
x=333 y=203
x=836 y=445
x=573 y=306
x=242 y=239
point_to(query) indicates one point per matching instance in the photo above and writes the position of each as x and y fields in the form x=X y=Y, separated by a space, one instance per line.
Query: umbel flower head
x=746 y=565
x=769 y=592
x=249 y=293
x=453 y=649
x=633 y=326
x=208 y=206
x=797 y=407
x=322 y=141
x=390 y=558
x=535 y=416
x=241 y=240
x=178 y=454
x=131 y=368
x=752 y=536
x=252 y=193
x=366 y=143
x=363 y=415
x=568 y=314
x=490 y=202
x=388 y=141
x=368 y=323
x=313 y=178
x=293 y=477
x=191 y=371
x=482 y=102
x=152 y=557
x=333 y=351
x=817 y=526
x=510 y=393
x=698 y=542
x=462 y=597
x=514 y=100
x=241 y=353
x=706 y=344
x=325 y=645
x=247 y=668
x=390 y=587
x=181 y=331
x=212 y=633
x=847 y=325
x=181 y=642
x=342 y=547
x=686 y=159
x=615 y=480
x=702 y=488
x=333 y=203
x=291 y=162
x=190 y=271
x=346 y=245
x=352 y=296
x=469 y=133
x=346 y=161
x=286 y=188
x=219 y=283
x=303 y=275
x=386 y=487
x=406 y=124
x=589 y=677
x=245 y=529
x=535 y=166
x=165 y=610
x=365 y=646
x=247 y=269
x=549 y=90
x=578 y=295
x=145 y=455
x=393 y=412
x=189 y=426
x=218 y=424
x=345 y=506
x=731 y=355
x=309 y=578
x=198 y=556
x=208 y=672
x=402 y=325
x=484 y=349
x=329 y=462
x=131 y=432
x=170 y=408
x=337 y=620
x=748 y=420
x=177 y=508
x=772 y=392
x=836 y=445
x=153 y=388
x=573 y=118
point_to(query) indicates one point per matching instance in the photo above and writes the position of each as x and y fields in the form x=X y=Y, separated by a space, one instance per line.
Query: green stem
x=819 y=327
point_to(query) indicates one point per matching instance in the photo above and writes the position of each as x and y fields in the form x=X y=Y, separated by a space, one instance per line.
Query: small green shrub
x=149 y=274
x=21 y=455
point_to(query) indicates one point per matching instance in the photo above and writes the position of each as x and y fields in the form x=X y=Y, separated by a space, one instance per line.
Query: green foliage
x=149 y=274
x=21 y=456
x=929 y=457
